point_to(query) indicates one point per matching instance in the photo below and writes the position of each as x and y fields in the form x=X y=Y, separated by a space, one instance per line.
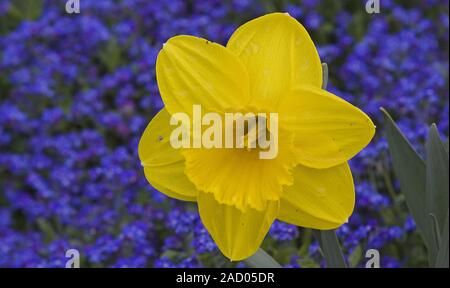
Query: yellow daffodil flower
x=270 y=64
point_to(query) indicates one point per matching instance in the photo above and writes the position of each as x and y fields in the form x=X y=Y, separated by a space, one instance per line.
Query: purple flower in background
x=282 y=231
x=77 y=91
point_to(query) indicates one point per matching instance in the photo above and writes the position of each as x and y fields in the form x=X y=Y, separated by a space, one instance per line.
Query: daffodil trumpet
x=234 y=130
x=269 y=64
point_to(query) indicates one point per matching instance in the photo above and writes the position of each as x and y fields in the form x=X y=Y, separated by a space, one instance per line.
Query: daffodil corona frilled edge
x=269 y=65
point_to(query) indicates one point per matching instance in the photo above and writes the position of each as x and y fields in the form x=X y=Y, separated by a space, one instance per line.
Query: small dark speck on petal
x=160 y=138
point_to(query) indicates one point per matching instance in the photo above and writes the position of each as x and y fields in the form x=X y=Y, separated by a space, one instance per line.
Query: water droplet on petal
x=321 y=191
x=252 y=48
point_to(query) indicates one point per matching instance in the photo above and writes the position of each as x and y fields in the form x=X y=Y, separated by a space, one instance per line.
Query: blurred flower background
x=77 y=90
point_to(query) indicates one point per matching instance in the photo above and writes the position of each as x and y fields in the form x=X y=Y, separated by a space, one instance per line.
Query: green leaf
x=437 y=178
x=411 y=172
x=442 y=255
x=436 y=230
x=26 y=9
x=324 y=75
x=46 y=228
x=111 y=55
x=331 y=249
x=307 y=237
x=261 y=260
x=355 y=256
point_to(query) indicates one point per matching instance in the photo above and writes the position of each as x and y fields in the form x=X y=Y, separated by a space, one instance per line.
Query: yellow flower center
x=238 y=177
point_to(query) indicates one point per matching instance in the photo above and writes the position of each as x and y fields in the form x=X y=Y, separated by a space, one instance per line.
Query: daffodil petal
x=291 y=214
x=164 y=165
x=193 y=70
x=278 y=52
x=237 y=234
x=171 y=181
x=327 y=129
x=319 y=198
